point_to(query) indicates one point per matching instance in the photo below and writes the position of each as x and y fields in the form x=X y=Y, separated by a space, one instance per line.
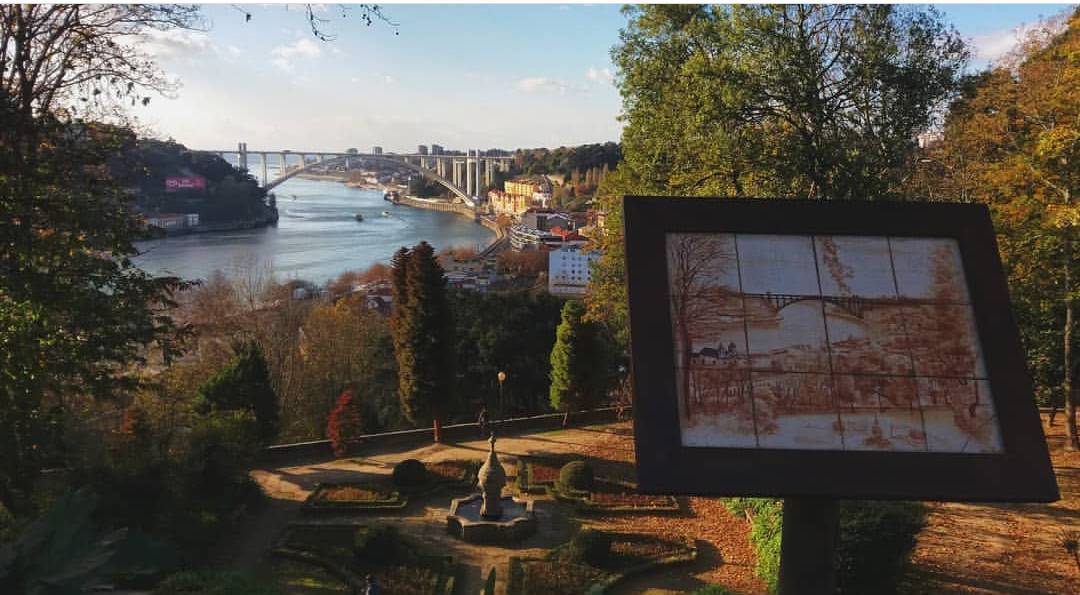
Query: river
x=317 y=236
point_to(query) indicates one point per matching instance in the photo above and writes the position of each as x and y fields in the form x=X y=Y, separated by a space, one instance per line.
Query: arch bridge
x=463 y=175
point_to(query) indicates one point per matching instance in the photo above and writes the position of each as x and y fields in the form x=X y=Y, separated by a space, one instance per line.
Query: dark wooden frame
x=1021 y=473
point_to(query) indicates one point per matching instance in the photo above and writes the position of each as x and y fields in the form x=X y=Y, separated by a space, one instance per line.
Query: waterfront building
x=504 y=203
x=421 y=149
x=173 y=222
x=545 y=219
x=376 y=150
x=569 y=270
x=437 y=149
x=528 y=187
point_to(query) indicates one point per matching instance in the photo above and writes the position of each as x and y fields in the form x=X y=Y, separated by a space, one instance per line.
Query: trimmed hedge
x=410 y=473
x=576 y=476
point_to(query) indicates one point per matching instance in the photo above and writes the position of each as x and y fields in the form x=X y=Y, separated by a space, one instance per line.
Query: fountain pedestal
x=490 y=517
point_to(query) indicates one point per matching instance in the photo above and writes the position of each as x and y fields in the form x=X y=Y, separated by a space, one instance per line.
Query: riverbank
x=270 y=217
x=432 y=204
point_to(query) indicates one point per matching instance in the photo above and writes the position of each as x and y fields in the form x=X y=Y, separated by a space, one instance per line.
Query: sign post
x=825 y=350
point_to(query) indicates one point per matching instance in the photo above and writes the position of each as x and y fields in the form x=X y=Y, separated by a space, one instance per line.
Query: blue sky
x=463 y=76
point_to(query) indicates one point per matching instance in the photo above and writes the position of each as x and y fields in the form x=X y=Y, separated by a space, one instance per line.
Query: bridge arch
x=427 y=173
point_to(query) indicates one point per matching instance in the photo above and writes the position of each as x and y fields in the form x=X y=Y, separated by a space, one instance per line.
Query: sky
x=462 y=76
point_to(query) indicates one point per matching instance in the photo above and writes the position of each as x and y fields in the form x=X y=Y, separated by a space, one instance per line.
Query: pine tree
x=244 y=385
x=423 y=336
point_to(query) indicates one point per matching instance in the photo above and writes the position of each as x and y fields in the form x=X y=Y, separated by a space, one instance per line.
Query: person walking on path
x=373 y=587
x=482 y=421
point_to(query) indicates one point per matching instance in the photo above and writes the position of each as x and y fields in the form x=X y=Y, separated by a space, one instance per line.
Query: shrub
x=590 y=547
x=876 y=539
x=214 y=583
x=766 y=526
x=576 y=475
x=381 y=544
x=410 y=472
x=344 y=425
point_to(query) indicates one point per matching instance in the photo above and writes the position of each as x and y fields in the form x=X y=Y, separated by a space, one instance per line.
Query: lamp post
x=501 y=376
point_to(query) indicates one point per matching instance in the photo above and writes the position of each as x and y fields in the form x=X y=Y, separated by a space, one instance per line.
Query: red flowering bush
x=344 y=426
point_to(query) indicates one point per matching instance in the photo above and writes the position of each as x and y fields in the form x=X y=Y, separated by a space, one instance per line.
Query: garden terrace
x=1019 y=544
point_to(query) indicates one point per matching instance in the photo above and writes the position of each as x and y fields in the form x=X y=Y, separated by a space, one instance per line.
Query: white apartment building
x=568 y=270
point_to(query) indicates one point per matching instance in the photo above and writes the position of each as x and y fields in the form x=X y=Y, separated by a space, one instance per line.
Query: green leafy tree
x=76 y=315
x=423 y=335
x=581 y=362
x=244 y=385
x=1012 y=141
x=808 y=101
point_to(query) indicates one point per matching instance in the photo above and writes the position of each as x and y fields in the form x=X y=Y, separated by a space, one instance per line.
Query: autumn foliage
x=344 y=426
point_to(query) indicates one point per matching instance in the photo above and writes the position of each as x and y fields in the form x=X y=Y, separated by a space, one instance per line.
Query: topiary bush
x=410 y=473
x=381 y=544
x=577 y=476
x=590 y=547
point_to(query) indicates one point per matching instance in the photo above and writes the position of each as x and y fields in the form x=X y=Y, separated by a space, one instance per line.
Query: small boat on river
x=359 y=216
x=386 y=213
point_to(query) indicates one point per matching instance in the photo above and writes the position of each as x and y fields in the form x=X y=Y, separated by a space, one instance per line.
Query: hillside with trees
x=231 y=195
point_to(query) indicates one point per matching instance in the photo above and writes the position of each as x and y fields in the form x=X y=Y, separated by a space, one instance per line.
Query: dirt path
x=1004 y=548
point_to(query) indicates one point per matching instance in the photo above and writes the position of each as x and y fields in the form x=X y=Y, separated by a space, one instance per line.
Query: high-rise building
x=437 y=149
x=421 y=149
x=376 y=150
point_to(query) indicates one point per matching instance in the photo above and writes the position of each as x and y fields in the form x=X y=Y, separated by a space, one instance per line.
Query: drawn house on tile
x=826 y=342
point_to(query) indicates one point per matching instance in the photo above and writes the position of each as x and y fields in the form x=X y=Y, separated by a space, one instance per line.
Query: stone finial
x=491 y=478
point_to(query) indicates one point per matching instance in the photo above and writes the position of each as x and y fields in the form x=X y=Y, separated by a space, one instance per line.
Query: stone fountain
x=489 y=517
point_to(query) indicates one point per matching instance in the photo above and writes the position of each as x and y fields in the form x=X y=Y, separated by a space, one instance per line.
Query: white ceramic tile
x=855 y=266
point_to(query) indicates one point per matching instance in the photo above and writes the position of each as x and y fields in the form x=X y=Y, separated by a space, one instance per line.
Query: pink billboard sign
x=177 y=183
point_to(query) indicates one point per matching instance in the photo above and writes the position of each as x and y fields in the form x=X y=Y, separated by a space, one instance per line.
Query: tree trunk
x=436 y=427
x=566 y=418
x=1072 y=442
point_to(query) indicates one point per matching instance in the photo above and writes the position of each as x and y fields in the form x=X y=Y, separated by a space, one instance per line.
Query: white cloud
x=541 y=84
x=174 y=43
x=389 y=80
x=600 y=75
x=285 y=55
x=996 y=45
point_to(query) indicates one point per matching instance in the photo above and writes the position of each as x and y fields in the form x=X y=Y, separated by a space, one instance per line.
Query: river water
x=317 y=236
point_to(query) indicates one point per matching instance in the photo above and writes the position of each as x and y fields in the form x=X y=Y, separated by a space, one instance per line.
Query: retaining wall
x=285 y=454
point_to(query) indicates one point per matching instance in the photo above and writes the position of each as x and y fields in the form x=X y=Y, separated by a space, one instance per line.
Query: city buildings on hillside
x=519 y=195
x=569 y=270
x=511 y=205
x=545 y=229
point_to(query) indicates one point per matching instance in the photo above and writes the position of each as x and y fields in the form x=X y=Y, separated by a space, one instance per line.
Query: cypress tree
x=423 y=336
x=581 y=362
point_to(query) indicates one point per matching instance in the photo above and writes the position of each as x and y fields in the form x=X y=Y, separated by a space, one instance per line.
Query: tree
x=344 y=425
x=244 y=385
x=818 y=101
x=423 y=335
x=77 y=314
x=581 y=362
x=1012 y=141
